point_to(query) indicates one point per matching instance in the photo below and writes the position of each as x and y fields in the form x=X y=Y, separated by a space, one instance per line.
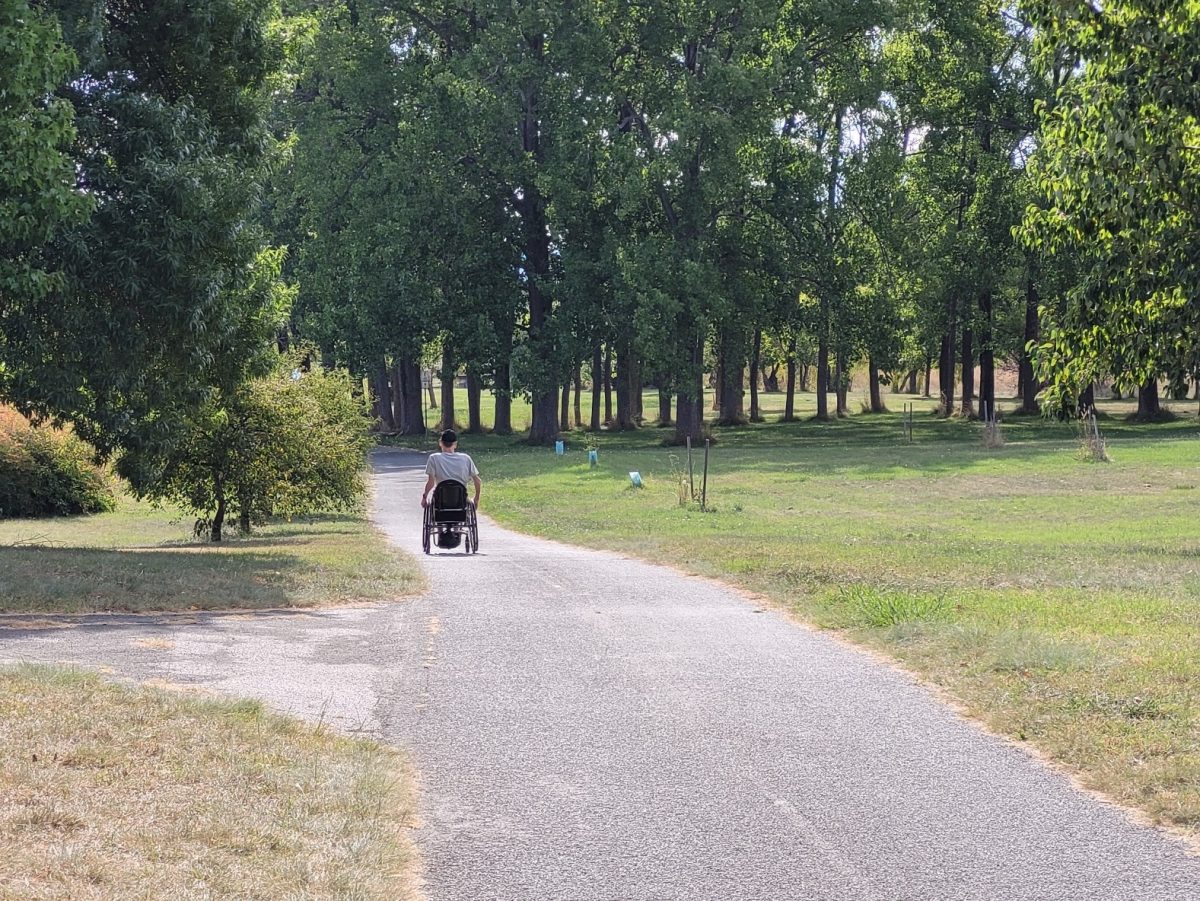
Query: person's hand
x=475 y=504
x=424 y=501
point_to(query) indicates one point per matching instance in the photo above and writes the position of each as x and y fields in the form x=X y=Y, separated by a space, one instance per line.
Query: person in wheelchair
x=458 y=469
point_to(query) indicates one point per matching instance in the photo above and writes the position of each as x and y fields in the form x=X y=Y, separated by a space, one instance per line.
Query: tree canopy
x=531 y=195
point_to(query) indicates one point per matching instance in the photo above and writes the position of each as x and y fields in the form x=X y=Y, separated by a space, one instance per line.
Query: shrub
x=279 y=445
x=48 y=472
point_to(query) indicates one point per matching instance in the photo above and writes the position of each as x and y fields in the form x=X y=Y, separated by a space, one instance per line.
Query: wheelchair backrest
x=450 y=501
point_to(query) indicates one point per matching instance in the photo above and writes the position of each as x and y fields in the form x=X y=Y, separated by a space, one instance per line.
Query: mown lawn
x=1057 y=599
x=108 y=791
x=142 y=559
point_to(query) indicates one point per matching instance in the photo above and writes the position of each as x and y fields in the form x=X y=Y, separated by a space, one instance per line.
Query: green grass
x=1059 y=600
x=141 y=559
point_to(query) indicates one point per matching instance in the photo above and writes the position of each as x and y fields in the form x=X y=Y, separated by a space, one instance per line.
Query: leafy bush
x=288 y=444
x=48 y=472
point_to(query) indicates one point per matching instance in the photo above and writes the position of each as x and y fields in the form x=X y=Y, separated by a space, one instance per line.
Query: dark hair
x=449 y=437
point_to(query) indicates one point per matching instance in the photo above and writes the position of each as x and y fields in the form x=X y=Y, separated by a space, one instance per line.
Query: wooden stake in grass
x=1092 y=447
x=992 y=436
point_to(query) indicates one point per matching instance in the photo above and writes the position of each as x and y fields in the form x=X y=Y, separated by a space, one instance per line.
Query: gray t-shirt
x=459 y=467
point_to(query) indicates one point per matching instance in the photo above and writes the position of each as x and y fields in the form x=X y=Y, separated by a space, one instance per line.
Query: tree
x=289 y=444
x=965 y=95
x=1117 y=167
x=37 y=191
x=168 y=147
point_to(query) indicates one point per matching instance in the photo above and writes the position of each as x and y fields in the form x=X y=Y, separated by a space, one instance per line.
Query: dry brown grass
x=108 y=791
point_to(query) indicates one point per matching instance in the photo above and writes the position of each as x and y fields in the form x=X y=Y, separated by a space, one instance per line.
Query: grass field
x=115 y=792
x=111 y=792
x=141 y=558
x=1057 y=599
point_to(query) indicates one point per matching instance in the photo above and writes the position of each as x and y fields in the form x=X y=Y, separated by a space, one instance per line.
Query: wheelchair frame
x=450 y=511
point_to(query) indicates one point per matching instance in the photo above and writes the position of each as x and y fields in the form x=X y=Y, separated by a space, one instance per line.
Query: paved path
x=589 y=728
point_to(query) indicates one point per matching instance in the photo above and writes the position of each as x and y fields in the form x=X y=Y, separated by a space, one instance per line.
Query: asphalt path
x=591 y=728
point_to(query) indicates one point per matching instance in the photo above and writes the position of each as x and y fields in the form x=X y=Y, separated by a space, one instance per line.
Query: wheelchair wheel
x=425 y=531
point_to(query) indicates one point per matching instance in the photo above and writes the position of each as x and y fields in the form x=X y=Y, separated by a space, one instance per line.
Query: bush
x=275 y=446
x=48 y=472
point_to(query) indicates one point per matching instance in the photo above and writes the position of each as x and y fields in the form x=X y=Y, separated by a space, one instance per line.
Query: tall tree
x=169 y=148
x=1118 y=168
x=37 y=190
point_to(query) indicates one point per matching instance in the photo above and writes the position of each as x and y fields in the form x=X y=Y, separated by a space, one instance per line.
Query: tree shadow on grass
x=50 y=580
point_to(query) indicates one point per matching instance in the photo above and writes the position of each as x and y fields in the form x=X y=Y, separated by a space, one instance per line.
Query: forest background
x=536 y=195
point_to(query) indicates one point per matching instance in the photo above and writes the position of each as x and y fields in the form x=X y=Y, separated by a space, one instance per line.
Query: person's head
x=448 y=440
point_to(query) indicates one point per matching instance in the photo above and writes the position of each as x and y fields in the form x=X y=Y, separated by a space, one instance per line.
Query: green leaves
x=288 y=444
x=1117 y=172
x=154 y=293
x=36 y=189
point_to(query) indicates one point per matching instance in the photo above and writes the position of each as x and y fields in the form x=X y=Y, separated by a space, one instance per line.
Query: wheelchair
x=450 y=519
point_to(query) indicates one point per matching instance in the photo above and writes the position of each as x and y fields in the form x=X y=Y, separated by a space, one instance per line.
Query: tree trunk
x=397 y=394
x=635 y=385
x=1148 y=402
x=968 y=373
x=805 y=370
x=1029 y=384
x=381 y=397
x=770 y=380
x=987 y=358
x=689 y=413
x=608 y=384
x=597 y=384
x=412 y=417
x=876 y=399
x=564 y=410
x=789 y=402
x=578 y=379
x=474 y=392
x=1087 y=400
x=730 y=389
x=822 y=376
x=755 y=360
x=433 y=404
x=218 y=520
x=447 y=388
x=536 y=243
x=928 y=376
x=623 y=388
x=664 y=408
x=245 y=502
x=842 y=384
x=946 y=360
x=502 y=388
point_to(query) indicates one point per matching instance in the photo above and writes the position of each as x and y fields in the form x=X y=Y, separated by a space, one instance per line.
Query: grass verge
x=108 y=791
x=140 y=558
x=1057 y=600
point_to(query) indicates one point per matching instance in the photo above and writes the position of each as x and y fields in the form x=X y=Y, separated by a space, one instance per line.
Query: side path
x=589 y=727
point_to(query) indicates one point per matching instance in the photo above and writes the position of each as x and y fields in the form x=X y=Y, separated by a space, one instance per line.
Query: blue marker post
x=593 y=458
x=559 y=448
x=636 y=479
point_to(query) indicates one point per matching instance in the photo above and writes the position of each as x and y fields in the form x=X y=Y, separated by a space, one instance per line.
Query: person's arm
x=429 y=483
x=478 y=488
